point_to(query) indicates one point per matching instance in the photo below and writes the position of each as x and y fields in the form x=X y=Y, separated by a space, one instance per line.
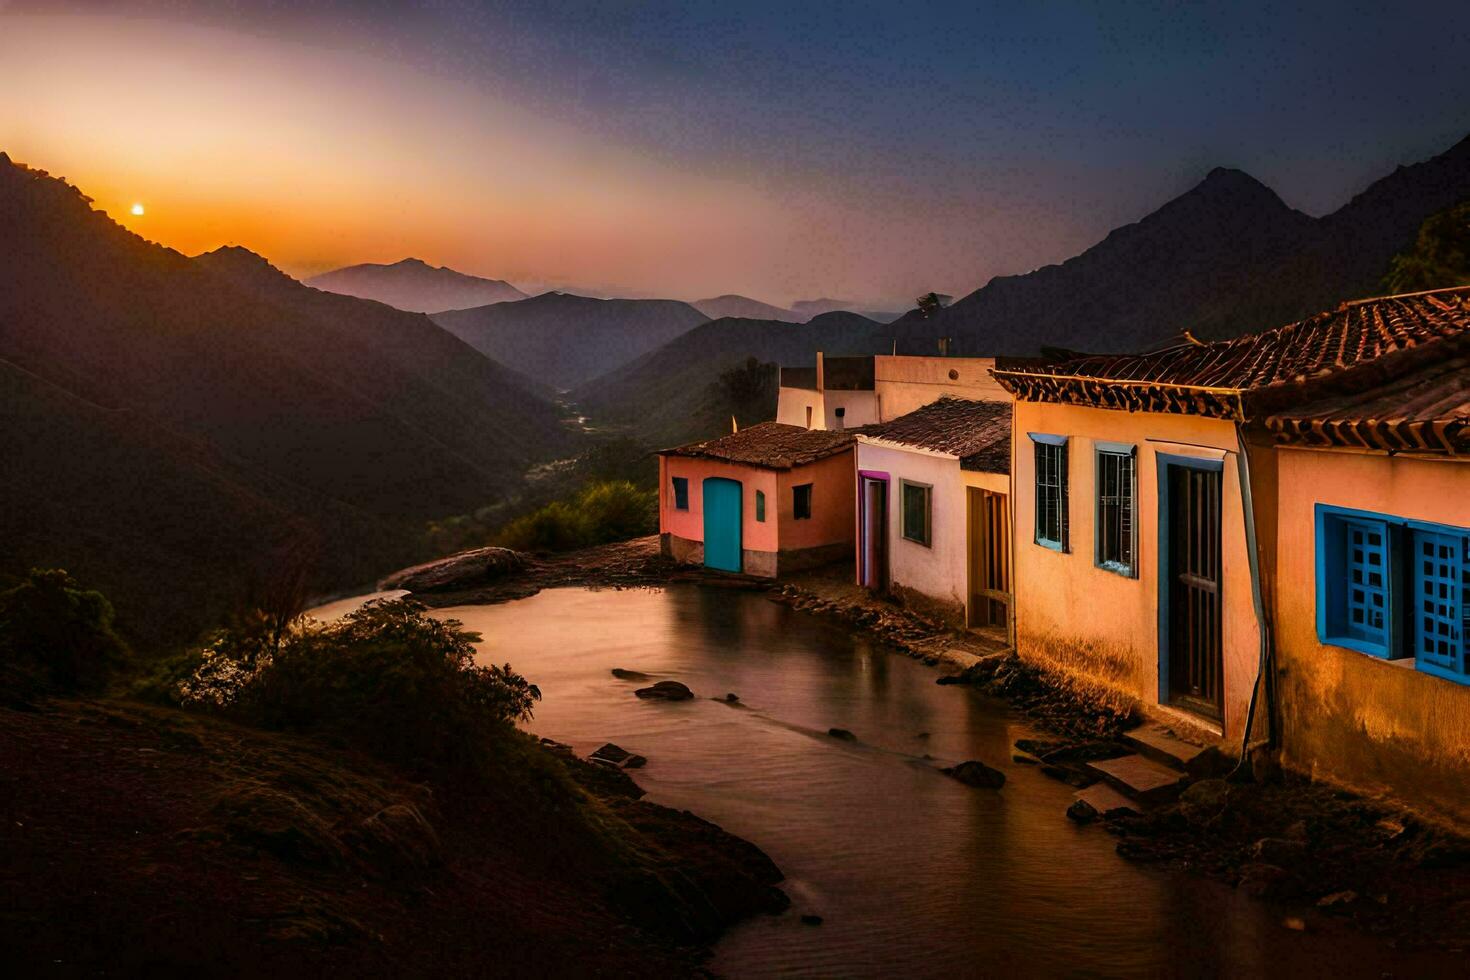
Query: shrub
x=388 y=679
x=57 y=634
x=611 y=511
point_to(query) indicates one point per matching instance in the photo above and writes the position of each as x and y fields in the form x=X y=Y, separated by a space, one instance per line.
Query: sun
x=138 y=209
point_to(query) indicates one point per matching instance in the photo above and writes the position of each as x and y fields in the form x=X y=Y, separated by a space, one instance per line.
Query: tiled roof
x=1209 y=378
x=769 y=445
x=978 y=432
x=1425 y=411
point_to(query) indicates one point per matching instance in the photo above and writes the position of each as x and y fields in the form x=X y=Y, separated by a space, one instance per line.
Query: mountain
x=564 y=340
x=805 y=309
x=1225 y=258
x=732 y=304
x=662 y=395
x=172 y=423
x=416 y=286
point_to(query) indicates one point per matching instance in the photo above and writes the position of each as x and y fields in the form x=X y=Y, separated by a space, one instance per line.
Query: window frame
x=760 y=506
x=1039 y=441
x=1129 y=450
x=796 y=514
x=681 y=500
x=927 y=540
x=1403 y=539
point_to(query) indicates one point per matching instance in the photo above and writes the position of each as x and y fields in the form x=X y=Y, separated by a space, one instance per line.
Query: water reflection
x=913 y=873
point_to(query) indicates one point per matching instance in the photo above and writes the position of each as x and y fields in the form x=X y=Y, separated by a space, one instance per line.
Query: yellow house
x=1163 y=541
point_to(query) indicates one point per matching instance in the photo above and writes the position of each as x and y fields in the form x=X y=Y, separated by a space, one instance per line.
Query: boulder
x=468 y=568
x=617 y=757
x=665 y=691
x=974 y=773
x=842 y=733
x=630 y=675
x=731 y=698
x=1262 y=880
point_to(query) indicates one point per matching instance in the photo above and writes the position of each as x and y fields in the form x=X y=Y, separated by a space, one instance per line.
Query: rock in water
x=1081 y=812
x=665 y=691
x=457 y=571
x=611 y=755
x=842 y=733
x=974 y=773
x=630 y=675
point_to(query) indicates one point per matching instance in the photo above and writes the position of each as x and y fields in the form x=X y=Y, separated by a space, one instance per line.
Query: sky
x=785 y=151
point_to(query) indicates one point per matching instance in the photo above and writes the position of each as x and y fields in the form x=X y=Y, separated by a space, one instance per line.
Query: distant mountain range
x=172 y=423
x=662 y=394
x=1225 y=258
x=564 y=340
x=808 y=308
x=733 y=304
x=416 y=286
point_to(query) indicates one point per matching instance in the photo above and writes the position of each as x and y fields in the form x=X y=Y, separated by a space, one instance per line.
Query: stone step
x=1161 y=745
x=1107 y=801
x=1139 y=778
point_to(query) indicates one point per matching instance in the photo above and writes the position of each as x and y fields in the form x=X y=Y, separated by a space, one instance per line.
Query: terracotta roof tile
x=770 y=445
x=978 y=432
x=1425 y=411
x=1354 y=335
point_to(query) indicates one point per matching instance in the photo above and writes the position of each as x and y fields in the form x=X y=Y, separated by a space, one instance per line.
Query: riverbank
x=1314 y=852
x=143 y=839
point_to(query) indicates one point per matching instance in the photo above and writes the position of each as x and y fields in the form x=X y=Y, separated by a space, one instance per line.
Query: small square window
x=801 y=501
x=681 y=493
x=917 y=513
x=760 y=505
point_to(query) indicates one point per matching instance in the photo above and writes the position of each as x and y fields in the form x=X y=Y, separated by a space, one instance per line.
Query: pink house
x=769 y=499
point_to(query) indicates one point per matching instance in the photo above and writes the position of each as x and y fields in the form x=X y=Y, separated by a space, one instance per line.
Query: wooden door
x=989 y=546
x=722 y=544
x=1196 y=651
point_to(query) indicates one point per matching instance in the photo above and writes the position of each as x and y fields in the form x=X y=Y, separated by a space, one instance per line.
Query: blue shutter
x=1440 y=569
x=1365 y=561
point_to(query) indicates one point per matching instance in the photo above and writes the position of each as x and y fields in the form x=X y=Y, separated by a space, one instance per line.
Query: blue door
x=722 y=524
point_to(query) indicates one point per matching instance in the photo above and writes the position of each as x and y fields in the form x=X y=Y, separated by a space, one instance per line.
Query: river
x=913 y=873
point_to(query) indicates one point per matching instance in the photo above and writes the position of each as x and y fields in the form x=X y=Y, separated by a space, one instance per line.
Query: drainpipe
x=1263 y=626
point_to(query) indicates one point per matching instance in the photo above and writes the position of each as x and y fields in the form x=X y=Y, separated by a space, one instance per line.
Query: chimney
x=821 y=377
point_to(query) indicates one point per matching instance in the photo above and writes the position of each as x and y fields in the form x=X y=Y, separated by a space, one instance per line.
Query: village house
x=1279 y=519
x=933 y=525
x=836 y=394
x=848 y=392
x=767 y=500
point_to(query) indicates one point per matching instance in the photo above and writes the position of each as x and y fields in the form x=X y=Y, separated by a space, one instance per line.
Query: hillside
x=416 y=286
x=806 y=309
x=663 y=395
x=732 y=304
x=565 y=340
x=172 y=422
x=1224 y=258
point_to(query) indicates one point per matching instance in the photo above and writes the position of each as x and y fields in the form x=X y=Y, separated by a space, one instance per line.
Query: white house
x=933 y=514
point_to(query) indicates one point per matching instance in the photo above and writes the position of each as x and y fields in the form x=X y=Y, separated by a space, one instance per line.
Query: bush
x=387 y=679
x=601 y=512
x=54 y=633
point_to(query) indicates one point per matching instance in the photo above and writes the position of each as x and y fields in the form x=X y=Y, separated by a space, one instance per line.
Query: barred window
x=1116 y=509
x=1051 y=491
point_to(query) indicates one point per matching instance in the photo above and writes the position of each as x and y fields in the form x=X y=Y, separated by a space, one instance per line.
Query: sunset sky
x=785 y=151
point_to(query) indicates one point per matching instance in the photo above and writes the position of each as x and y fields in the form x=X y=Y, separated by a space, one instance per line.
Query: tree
x=931 y=303
x=1440 y=256
x=747 y=391
x=58 y=634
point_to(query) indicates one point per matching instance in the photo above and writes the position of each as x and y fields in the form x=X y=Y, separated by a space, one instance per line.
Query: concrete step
x=1162 y=746
x=1107 y=801
x=1139 y=778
